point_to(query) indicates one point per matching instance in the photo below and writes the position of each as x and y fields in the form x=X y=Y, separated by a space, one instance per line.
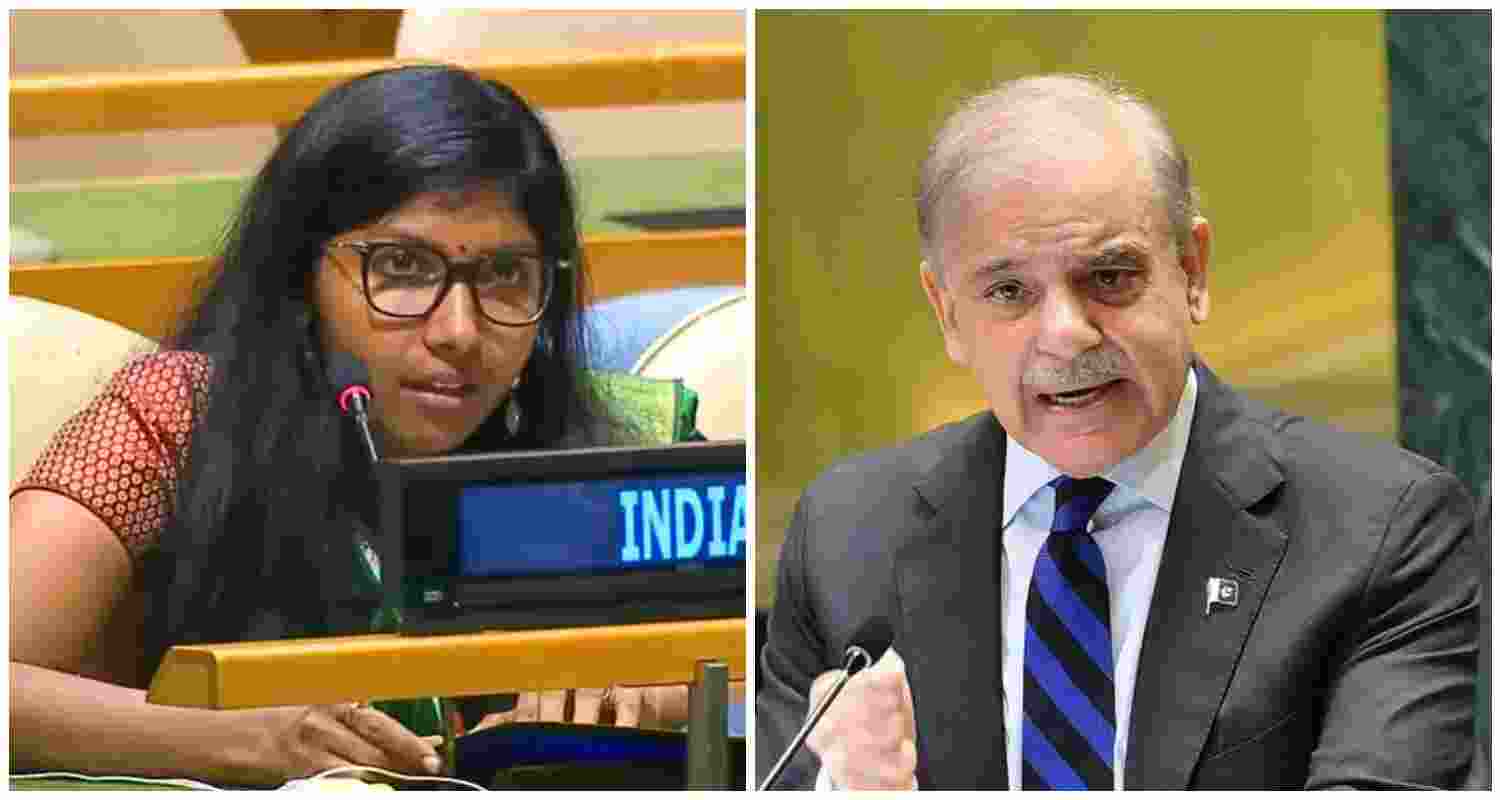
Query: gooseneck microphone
x=351 y=380
x=868 y=645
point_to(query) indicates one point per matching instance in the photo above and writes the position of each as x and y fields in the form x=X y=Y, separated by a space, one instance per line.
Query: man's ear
x=941 y=300
x=1195 y=264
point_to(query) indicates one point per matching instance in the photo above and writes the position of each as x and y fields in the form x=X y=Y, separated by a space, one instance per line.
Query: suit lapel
x=1188 y=655
x=949 y=629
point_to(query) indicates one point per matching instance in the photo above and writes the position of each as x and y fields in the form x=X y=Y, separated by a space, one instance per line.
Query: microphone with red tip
x=351 y=380
x=870 y=642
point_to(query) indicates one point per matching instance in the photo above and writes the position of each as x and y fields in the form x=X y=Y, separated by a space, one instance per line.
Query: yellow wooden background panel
x=279 y=93
x=148 y=295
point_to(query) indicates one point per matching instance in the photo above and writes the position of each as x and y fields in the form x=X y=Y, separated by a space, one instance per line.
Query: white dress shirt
x=1131 y=529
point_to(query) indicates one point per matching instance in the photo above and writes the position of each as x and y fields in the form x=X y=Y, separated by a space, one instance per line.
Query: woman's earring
x=513 y=409
x=309 y=338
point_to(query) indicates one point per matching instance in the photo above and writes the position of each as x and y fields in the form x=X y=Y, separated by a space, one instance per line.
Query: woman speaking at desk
x=419 y=219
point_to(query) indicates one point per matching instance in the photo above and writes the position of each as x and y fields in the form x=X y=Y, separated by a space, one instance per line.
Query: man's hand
x=868 y=737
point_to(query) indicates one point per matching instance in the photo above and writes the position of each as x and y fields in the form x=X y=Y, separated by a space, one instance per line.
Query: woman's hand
x=624 y=706
x=302 y=741
x=650 y=706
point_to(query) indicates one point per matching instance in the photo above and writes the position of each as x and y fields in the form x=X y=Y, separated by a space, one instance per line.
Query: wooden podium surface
x=390 y=666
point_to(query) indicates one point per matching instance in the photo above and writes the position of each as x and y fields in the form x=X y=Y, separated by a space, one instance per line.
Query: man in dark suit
x=1124 y=573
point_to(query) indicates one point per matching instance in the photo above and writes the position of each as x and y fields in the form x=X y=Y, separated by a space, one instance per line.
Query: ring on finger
x=346 y=714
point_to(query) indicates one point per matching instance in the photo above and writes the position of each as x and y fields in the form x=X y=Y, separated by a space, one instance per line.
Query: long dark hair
x=259 y=540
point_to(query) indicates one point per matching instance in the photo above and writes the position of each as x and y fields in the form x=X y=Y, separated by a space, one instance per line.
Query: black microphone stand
x=853 y=654
x=361 y=410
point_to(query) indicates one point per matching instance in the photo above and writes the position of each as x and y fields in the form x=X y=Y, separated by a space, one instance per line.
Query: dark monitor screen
x=568 y=537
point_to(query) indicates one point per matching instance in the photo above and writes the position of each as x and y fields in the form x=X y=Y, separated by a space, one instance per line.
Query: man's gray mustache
x=1088 y=369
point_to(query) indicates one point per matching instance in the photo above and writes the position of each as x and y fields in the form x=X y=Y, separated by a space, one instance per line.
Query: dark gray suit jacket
x=1349 y=661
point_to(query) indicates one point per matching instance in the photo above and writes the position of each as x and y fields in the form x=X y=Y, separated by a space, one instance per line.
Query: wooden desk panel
x=388 y=666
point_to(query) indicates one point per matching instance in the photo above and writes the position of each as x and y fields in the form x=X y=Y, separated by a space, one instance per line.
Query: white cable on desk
x=387 y=773
x=185 y=783
x=178 y=782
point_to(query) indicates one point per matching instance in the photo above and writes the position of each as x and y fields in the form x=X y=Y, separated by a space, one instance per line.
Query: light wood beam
x=109 y=102
x=148 y=294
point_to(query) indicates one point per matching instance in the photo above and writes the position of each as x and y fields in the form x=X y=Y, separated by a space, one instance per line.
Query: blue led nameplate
x=649 y=521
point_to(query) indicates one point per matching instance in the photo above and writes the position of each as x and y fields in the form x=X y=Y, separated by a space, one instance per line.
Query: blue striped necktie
x=1068 y=731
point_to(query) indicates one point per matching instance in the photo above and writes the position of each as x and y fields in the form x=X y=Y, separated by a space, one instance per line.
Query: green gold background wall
x=1283 y=115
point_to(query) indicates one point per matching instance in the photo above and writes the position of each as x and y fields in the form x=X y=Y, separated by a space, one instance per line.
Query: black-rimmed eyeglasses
x=409 y=280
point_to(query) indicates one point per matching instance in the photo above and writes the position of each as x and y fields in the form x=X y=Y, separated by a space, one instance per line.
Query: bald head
x=1023 y=128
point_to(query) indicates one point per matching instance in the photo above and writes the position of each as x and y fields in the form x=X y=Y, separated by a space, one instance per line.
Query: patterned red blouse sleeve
x=119 y=456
